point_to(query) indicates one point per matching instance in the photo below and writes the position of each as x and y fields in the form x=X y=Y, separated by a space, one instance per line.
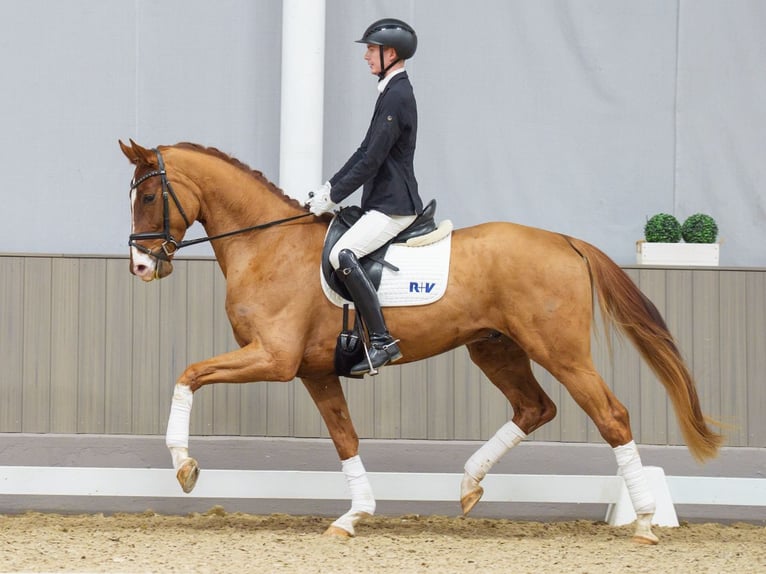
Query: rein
x=166 y=251
x=243 y=230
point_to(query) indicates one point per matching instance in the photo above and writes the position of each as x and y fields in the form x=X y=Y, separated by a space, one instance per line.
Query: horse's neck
x=231 y=200
x=229 y=197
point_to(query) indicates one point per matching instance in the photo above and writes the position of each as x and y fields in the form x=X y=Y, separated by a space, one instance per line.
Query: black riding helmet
x=394 y=33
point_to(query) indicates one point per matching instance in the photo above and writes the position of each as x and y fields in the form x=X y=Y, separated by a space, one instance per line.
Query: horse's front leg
x=250 y=363
x=508 y=367
x=177 y=437
x=327 y=394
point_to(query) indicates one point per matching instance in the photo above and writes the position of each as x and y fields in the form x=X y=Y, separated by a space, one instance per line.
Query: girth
x=374 y=262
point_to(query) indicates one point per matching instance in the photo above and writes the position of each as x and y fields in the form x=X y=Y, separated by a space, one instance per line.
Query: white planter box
x=701 y=254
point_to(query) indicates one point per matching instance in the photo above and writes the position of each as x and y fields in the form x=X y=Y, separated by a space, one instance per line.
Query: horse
x=536 y=302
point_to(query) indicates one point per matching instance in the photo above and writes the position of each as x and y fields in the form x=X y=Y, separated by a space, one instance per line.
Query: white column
x=302 y=112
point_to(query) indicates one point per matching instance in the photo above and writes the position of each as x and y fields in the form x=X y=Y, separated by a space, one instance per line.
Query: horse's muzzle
x=150 y=270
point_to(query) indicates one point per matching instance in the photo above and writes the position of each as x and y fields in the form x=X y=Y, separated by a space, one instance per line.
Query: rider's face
x=372 y=57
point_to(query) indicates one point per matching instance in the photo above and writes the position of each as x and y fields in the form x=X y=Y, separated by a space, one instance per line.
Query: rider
x=383 y=164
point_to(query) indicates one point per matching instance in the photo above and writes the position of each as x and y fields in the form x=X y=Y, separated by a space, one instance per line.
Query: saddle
x=374 y=262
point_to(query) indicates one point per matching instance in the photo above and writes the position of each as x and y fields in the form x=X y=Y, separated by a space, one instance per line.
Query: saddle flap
x=374 y=262
x=371 y=264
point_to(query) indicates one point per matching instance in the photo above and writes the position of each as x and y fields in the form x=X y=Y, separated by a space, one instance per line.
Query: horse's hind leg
x=327 y=394
x=508 y=367
x=613 y=422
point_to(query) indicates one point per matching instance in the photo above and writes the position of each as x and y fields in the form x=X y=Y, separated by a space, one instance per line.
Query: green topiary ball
x=699 y=228
x=662 y=228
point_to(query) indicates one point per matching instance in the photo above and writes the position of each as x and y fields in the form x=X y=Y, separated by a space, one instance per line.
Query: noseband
x=170 y=245
x=166 y=251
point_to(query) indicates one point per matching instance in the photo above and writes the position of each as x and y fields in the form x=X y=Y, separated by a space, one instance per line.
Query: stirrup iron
x=372 y=371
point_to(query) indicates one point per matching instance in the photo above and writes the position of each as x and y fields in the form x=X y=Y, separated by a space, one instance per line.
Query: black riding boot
x=383 y=347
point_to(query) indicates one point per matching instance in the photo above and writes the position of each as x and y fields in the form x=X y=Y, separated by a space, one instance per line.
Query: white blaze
x=138 y=257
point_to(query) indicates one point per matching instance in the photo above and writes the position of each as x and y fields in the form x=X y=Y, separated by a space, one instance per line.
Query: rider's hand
x=319 y=201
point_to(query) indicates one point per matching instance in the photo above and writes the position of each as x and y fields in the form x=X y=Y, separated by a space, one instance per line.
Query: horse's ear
x=144 y=155
x=129 y=153
x=137 y=154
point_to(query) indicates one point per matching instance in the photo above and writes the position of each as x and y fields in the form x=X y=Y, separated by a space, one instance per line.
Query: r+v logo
x=422 y=287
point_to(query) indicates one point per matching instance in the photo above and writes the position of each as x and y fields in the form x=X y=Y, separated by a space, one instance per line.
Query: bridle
x=170 y=245
x=167 y=192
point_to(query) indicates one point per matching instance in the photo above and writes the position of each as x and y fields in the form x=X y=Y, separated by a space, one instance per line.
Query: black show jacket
x=383 y=164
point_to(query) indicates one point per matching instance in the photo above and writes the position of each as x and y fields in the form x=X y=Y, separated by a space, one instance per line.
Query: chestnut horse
x=534 y=303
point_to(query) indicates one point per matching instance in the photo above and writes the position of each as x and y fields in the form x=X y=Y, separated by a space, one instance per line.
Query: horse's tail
x=623 y=304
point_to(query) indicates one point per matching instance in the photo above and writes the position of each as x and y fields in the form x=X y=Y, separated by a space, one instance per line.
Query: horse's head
x=159 y=221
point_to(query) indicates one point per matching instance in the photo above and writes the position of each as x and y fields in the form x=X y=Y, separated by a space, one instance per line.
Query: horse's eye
x=148 y=198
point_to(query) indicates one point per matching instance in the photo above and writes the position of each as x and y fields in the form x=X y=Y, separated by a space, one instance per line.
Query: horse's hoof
x=650 y=539
x=643 y=533
x=469 y=500
x=337 y=532
x=187 y=475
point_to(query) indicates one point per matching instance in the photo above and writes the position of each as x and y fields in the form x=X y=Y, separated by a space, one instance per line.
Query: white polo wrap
x=632 y=471
x=493 y=450
x=180 y=412
x=362 y=499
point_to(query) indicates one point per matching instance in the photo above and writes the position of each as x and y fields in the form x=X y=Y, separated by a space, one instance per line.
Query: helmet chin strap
x=383 y=68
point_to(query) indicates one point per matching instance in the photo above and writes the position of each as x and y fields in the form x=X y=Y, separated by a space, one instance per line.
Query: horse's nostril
x=140 y=268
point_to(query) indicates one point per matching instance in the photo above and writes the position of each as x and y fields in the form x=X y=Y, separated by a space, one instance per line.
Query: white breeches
x=373 y=230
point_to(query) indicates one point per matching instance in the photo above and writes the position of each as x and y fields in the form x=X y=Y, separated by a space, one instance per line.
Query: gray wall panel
x=36 y=351
x=146 y=355
x=733 y=369
x=441 y=383
x=118 y=368
x=360 y=396
x=90 y=349
x=65 y=288
x=414 y=400
x=12 y=346
x=279 y=415
x=756 y=358
x=307 y=420
x=91 y=391
x=388 y=397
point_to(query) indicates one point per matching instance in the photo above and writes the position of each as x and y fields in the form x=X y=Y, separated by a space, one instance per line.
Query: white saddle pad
x=421 y=279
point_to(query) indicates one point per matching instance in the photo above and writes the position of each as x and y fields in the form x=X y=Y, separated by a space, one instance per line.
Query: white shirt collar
x=384 y=82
